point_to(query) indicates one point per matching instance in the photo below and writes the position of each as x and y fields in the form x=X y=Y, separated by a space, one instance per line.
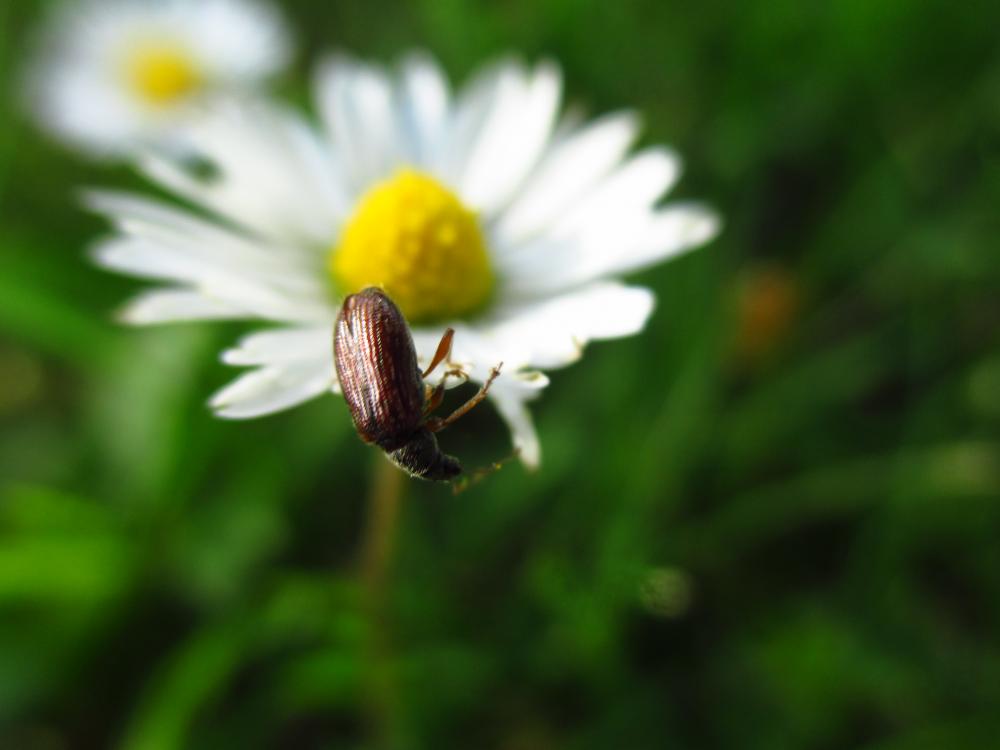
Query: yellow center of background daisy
x=162 y=72
x=413 y=237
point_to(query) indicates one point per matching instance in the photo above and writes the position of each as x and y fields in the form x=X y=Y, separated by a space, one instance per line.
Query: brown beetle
x=384 y=388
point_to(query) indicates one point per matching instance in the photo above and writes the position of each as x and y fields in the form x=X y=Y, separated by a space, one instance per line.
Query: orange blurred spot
x=768 y=301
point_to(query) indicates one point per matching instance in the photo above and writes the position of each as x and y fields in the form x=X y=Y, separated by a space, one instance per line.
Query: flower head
x=481 y=210
x=111 y=73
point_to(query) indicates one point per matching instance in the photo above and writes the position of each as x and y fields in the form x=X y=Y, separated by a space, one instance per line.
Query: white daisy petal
x=514 y=412
x=355 y=103
x=633 y=188
x=175 y=305
x=81 y=109
x=236 y=39
x=188 y=234
x=606 y=246
x=126 y=209
x=544 y=334
x=670 y=232
x=512 y=137
x=281 y=346
x=273 y=298
x=422 y=104
x=567 y=172
x=270 y=389
x=553 y=333
x=473 y=106
x=270 y=173
x=179 y=260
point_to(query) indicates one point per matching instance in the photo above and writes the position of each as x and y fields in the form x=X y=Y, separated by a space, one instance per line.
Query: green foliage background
x=782 y=546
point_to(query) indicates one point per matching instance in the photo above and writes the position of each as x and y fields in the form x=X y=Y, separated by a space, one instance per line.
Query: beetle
x=384 y=387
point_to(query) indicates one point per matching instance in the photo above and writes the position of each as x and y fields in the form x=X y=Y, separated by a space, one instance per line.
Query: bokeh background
x=770 y=521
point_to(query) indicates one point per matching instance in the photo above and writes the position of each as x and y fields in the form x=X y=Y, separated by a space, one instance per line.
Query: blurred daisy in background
x=482 y=210
x=110 y=74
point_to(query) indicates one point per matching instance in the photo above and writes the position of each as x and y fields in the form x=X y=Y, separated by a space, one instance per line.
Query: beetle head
x=421 y=457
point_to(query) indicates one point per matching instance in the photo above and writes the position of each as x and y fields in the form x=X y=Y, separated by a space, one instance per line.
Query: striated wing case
x=377 y=366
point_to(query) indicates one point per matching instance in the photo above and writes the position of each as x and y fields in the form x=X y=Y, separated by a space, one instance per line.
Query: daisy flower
x=482 y=209
x=110 y=73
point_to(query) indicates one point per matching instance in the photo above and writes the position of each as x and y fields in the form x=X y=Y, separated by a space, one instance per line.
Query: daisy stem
x=384 y=498
x=383 y=513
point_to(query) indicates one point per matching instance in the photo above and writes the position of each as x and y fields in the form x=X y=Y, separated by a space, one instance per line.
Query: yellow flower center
x=413 y=237
x=162 y=72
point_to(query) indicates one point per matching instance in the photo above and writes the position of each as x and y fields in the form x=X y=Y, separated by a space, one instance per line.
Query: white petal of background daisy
x=482 y=210
x=111 y=73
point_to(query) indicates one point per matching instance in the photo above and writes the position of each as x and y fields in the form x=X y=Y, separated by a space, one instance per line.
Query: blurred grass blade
x=34 y=313
x=195 y=674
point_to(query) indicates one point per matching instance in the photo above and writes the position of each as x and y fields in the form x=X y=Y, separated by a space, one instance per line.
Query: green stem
x=384 y=500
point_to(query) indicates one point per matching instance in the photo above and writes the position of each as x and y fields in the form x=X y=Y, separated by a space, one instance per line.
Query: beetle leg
x=433 y=396
x=436 y=424
x=442 y=353
x=477 y=475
